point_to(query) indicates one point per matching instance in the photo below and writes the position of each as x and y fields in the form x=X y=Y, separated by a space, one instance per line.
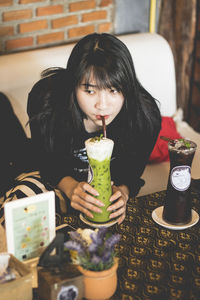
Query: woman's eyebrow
x=89 y=85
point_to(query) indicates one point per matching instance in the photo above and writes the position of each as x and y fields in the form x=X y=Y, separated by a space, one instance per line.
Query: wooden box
x=19 y=288
x=59 y=284
x=32 y=266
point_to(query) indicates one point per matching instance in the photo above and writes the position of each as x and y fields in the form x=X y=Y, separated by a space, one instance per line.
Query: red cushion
x=160 y=150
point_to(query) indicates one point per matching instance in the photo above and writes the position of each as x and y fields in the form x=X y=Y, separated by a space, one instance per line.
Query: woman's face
x=96 y=102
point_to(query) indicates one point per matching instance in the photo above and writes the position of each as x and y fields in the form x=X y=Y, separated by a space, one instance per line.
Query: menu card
x=30 y=225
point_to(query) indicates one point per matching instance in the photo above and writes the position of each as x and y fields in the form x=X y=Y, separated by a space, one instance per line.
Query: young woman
x=65 y=109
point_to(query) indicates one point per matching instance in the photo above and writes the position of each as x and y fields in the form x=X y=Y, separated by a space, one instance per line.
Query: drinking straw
x=166 y=139
x=104 y=126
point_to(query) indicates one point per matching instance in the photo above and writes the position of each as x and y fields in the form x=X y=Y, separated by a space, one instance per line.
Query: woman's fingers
x=116 y=195
x=78 y=201
x=118 y=212
x=83 y=199
x=118 y=208
x=88 y=198
x=88 y=188
x=121 y=219
x=117 y=204
x=77 y=206
x=85 y=202
x=82 y=191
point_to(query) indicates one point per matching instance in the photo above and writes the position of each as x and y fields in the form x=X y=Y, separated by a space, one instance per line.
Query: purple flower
x=93 y=247
x=102 y=232
x=111 y=241
x=96 y=259
x=74 y=235
x=98 y=237
x=73 y=245
x=98 y=253
x=107 y=255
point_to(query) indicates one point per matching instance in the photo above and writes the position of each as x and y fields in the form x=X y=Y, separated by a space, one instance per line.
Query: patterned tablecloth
x=156 y=263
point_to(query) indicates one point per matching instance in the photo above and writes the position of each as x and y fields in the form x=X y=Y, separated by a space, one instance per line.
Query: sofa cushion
x=160 y=151
x=27 y=185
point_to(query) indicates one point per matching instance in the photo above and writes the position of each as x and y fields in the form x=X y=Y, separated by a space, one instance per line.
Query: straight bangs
x=101 y=77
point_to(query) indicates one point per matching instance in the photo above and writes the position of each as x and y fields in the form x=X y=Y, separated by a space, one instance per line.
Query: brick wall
x=31 y=24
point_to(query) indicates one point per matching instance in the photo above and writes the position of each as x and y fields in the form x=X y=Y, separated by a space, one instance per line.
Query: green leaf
x=187 y=144
x=97 y=138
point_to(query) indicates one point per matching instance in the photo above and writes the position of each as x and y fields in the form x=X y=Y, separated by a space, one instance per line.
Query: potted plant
x=94 y=253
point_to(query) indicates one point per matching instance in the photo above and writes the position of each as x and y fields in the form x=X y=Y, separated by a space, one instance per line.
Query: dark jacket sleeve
x=14 y=150
x=128 y=168
x=56 y=164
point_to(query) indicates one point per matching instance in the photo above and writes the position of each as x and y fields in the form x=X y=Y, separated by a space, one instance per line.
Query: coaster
x=97 y=225
x=157 y=217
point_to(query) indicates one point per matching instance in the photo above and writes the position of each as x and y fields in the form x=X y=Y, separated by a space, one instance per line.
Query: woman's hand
x=81 y=200
x=120 y=198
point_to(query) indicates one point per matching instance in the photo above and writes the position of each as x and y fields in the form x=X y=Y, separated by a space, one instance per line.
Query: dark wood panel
x=194 y=101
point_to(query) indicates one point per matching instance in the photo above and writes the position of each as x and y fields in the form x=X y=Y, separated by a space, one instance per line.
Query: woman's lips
x=99 y=117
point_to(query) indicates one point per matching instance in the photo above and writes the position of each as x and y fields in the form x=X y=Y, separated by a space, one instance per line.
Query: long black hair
x=107 y=59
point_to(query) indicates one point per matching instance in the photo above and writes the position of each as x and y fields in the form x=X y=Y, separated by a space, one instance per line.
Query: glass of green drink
x=99 y=151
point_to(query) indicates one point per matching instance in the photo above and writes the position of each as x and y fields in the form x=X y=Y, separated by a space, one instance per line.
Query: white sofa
x=154 y=65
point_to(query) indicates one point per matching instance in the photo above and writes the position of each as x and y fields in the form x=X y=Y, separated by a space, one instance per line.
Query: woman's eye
x=90 y=92
x=113 y=91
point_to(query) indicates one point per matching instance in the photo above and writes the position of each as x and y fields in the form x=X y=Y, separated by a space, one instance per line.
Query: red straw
x=104 y=126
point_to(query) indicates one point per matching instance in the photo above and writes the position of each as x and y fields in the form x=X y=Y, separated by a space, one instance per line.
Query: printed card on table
x=30 y=225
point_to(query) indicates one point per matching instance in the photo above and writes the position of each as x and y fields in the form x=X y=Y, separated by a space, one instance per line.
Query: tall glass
x=177 y=205
x=99 y=151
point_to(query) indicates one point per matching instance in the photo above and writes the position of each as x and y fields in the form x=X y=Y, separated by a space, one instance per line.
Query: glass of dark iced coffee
x=177 y=206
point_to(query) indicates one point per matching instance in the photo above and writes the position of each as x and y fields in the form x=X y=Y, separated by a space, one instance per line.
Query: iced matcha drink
x=99 y=151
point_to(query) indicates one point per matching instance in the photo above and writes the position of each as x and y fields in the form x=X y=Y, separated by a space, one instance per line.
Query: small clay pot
x=100 y=285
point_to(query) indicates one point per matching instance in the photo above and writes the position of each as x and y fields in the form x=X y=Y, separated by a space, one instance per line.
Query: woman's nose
x=101 y=103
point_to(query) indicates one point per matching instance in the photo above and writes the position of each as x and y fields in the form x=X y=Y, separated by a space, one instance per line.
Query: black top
x=127 y=163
